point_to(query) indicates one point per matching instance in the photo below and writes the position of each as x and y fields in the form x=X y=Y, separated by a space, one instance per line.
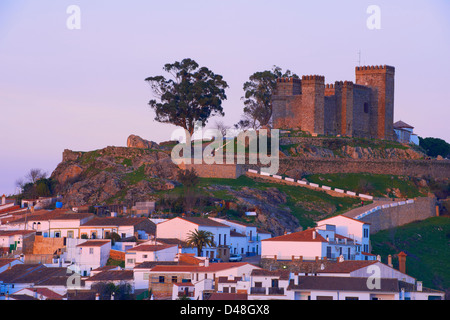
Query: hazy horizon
x=84 y=89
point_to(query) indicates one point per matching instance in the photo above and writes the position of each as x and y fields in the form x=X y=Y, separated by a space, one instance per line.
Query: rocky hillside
x=351 y=148
x=115 y=174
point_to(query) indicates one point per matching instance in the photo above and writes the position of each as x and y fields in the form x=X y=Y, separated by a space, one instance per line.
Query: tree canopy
x=200 y=239
x=435 y=147
x=258 y=97
x=192 y=94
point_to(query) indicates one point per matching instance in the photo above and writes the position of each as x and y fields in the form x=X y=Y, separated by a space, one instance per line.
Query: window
x=144 y=256
x=226 y=290
x=258 y=284
x=174 y=279
x=146 y=276
x=366 y=107
x=224 y=239
x=130 y=261
x=366 y=233
x=91 y=250
x=57 y=234
x=124 y=235
x=70 y=234
x=161 y=279
x=351 y=298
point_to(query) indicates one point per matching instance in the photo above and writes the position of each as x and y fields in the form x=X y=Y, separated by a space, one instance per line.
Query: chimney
x=402 y=262
x=296 y=279
x=207 y=262
x=314 y=234
x=390 y=261
x=3 y=199
x=419 y=286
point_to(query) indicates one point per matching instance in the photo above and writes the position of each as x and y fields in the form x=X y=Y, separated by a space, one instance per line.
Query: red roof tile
x=301 y=236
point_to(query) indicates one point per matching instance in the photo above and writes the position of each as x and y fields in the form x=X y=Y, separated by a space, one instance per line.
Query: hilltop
x=143 y=171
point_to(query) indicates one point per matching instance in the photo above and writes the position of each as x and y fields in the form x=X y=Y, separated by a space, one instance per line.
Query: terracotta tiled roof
x=281 y=274
x=112 y=275
x=204 y=222
x=49 y=294
x=213 y=267
x=6 y=261
x=113 y=222
x=346 y=266
x=151 y=247
x=401 y=125
x=9 y=233
x=343 y=284
x=301 y=236
x=94 y=243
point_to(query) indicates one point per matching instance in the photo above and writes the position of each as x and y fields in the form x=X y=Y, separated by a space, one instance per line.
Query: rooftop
x=301 y=236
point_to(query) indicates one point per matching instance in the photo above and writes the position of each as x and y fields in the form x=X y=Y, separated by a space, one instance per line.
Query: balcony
x=184 y=294
x=257 y=290
x=276 y=290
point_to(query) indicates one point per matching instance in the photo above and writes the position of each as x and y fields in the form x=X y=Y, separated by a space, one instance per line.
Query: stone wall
x=224 y=171
x=391 y=217
x=439 y=169
x=45 y=246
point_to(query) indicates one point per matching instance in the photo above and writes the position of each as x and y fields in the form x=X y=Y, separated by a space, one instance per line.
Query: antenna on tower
x=359 y=58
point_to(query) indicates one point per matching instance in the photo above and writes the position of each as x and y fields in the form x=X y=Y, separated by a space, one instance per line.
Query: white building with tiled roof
x=149 y=252
x=181 y=227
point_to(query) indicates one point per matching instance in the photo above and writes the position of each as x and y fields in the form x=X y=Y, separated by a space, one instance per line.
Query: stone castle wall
x=361 y=109
x=392 y=217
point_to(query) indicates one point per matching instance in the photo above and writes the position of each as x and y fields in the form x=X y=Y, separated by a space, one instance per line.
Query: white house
x=310 y=244
x=181 y=227
x=404 y=133
x=356 y=230
x=101 y=228
x=149 y=252
x=248 y=245
x=268 y=285
x=357 y=288
x=11 y=240
x=90 y=255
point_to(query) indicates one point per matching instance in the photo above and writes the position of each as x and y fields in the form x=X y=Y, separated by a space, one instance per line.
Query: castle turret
x=313 y=93
x=381 y=79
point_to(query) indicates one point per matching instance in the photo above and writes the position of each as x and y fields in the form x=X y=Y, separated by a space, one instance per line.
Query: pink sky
x=85 y=90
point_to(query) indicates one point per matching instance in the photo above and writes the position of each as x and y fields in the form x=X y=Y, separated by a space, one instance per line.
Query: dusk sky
x=84 y=89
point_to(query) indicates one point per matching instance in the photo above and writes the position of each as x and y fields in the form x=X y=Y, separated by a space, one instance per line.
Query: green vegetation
x=305 y=204
x=378 y=185
x=88 y=158
x=427 y=244
x=136 y=176
x=435 y=147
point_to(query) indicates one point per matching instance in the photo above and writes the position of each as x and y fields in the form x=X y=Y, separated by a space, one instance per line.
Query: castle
x=361 y=109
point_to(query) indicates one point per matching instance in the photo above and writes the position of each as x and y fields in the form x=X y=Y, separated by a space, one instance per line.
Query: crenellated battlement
x=383 y=68
x=292 y=80
x=314 y=78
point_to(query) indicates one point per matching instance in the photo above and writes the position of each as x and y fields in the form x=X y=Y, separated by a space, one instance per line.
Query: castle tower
x=313 y=104
x=286 y=103
x=381 y=80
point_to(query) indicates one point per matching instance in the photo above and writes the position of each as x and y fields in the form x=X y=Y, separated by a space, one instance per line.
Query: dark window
x=161 y=279
x=226 y=290
x=258 y=284
x=351 y=298
x=174 y=279
x=366 y=107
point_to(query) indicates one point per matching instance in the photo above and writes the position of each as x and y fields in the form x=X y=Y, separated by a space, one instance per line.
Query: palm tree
x=200 y=239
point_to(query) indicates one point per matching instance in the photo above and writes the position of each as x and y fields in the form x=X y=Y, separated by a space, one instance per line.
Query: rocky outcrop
x=134 y=141
x=114 y=175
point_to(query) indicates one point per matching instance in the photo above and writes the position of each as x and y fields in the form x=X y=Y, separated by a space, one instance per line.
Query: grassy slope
x=297 y=197
x=374 y=184
x=427 y=244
